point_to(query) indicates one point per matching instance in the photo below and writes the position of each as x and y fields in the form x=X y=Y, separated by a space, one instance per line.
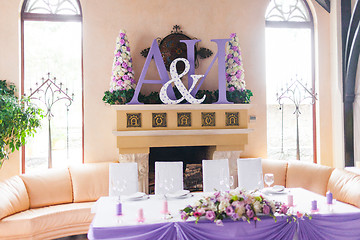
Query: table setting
x=271 y=212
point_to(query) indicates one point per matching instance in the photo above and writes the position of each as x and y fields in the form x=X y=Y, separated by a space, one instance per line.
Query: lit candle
x=290 y=200
x=329 y=197
x=118 y=208
x=141 y=218
x=314 y=205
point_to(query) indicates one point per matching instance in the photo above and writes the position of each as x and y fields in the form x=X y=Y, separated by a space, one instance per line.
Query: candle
x=314 y=205
x=165 y=207
x=141 y=218
x=118 y=209
x=329 y=197
x=290 y=200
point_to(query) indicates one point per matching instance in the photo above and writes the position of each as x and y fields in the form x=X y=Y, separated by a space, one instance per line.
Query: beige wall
x=146 y=20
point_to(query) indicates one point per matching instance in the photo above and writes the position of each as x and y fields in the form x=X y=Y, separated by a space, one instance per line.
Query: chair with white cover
x=216 y=175
x=250 y=176
x=123 y=179
x=168 y=177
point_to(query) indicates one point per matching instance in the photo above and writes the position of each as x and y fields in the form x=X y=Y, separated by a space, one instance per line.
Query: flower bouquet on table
x=236 y=205
x=122 y=82
x=235 y=73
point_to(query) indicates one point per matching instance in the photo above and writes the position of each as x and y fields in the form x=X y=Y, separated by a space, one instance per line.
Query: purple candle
x=118 y=209
x=329 y=197
x=314 y=205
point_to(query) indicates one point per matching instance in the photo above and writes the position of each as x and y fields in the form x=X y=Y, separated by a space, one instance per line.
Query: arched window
x=290 y=78
x=51 y=42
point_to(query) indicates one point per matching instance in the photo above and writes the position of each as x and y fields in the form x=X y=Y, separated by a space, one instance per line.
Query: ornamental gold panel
x=208 y=119
x=231 y=118
x=159 y=120
x=133 y=120
x=184 y=119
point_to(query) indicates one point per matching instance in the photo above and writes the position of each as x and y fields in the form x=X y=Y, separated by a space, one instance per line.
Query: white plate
x=275 y=190
x=136 y=196
x=180 y=197
x=178 y=194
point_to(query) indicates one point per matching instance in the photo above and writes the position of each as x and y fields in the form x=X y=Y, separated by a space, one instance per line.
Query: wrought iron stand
x=50 y=93
x=296 y=93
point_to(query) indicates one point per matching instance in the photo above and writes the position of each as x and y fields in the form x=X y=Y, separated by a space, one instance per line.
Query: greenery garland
x=125 y=96
x=18 y=120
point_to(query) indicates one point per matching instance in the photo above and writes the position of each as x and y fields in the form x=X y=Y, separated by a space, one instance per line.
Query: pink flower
x=250 y=213
x=119 y=83
x=299 y=214
x=236 y=59
x=235 y=48
x=124 y=65
x=117 y=54
x=129 y=69
x=122 y=35
x=235 y=217
x=210 y=215
x=233 y=35
x=128 y=49
x=229 y=56
x=231 y=89
x=229 y=211
x=197 y=214
x=122 y=41
x=283 y=209
x=266 y=209
x=219 y=223
x=238 y=75
x=184 y=216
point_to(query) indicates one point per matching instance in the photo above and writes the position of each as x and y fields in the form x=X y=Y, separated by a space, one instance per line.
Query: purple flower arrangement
x=122 y=72
x=236 y=205
x=234 y=67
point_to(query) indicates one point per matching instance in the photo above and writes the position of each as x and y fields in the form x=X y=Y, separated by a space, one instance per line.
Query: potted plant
x=18 y=120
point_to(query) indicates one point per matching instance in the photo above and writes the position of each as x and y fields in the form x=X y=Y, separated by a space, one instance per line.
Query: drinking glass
x=269 y=179
x=230 y=182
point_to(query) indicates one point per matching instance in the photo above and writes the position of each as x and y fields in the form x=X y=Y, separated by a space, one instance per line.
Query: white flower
x=257 y=207
x=236 y=54
x=123 y=48
x=223 y=205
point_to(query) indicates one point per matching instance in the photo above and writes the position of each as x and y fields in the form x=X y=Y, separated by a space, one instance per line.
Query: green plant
x=18 y=120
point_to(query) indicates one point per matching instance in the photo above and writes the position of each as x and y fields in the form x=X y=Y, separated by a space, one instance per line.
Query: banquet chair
x=216 y=175
x=168 y=177
x=250 y=176
x=123 y=179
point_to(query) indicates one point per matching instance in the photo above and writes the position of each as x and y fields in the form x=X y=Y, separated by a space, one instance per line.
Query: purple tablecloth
x=320 y=227
x=265 y=229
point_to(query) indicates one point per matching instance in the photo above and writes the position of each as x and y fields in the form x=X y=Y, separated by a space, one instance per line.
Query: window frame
x=26 y=16
x=309 y=25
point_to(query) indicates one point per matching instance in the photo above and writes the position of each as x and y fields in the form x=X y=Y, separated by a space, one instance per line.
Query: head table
x=342 y=221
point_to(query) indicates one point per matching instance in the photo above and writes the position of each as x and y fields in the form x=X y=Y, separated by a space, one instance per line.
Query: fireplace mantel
x=223 y=127
x=142 y=126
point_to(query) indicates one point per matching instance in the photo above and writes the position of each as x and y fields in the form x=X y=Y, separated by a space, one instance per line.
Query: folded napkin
x=178 y=194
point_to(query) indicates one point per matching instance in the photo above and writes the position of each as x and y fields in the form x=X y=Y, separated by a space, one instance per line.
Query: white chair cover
x=123 y=179
x=215 y=175
x=168 y=177
x=250 y=176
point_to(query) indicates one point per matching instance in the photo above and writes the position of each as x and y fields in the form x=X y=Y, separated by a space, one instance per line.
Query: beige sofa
x=53 y=204
x=57 y=203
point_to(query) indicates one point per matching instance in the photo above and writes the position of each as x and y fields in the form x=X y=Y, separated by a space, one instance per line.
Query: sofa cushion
x=90 y=181
x=345 y=186
x=13 y=197
x=276 y=167
x=49 y=187
x=310 y=176
x=48 y=222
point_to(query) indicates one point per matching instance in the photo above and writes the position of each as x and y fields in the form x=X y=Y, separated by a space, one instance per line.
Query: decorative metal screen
x=66 y=7
x=287 y=11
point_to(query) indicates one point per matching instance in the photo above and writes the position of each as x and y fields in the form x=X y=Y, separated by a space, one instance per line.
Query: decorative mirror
x=171 y=48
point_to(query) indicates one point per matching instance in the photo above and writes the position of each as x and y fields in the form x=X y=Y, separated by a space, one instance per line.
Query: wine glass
x=230 y=182
x=269 y=179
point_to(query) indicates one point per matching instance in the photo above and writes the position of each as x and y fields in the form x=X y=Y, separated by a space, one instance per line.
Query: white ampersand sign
x=176 y=79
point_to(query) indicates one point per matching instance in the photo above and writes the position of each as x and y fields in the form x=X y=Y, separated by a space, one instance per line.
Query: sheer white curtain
x=357 y=119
